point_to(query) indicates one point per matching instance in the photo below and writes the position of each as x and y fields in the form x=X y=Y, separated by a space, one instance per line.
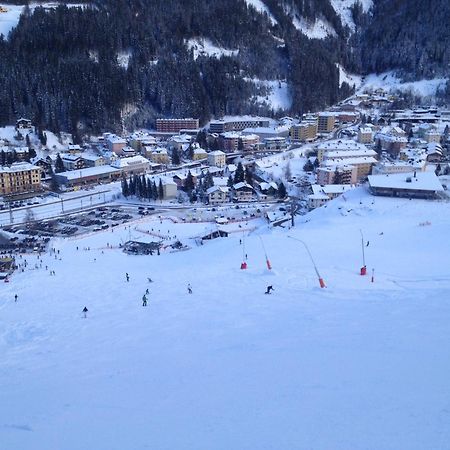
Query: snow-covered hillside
x=278 y=97
x=350 y=79
x=319 y=29
x=389 y=82
x=342 y=8
x=10 y=18
x=357 y=365
x=261 y=8
x=205 y=47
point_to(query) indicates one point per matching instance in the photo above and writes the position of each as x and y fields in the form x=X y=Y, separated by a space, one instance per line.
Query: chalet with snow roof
x=243 y=192
x=217 y=195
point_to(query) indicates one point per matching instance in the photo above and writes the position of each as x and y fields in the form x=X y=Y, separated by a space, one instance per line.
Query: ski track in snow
x=357 y=365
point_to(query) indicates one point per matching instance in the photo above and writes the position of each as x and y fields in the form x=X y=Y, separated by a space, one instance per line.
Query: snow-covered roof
x=350 y=161
x=213 y=189
x=424 y=181
x=131 y=161
x=90 y=156
x=330 y=188
x=334 y=167
x=264 y=186
x=70 y=157
x=349 y=153
x=341 y=144
x=88 y=172
x=216 y=153
x=18 y=167
x=241 y=185
x=115 y=139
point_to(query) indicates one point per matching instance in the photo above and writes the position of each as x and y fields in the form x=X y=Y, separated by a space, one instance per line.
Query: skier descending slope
x=269 y=290
x=85 y=310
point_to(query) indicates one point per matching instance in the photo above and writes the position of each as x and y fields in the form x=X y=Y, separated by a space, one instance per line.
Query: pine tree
x=230 y=182
x=288 y=171
x=54 y=185
x=190 y=152
x=308 y=167
x=239 y=175
x=154 y=191
x=175 y=157
x=125 y=189
x=160 y=190
x=201 y=139
x=189 y=184
x=248 y=176
x=240 y=145
x=282 y=190
x=209 y=181
x=59 y=165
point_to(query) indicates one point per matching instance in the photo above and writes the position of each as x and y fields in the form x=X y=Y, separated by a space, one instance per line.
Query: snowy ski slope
x=357 y=365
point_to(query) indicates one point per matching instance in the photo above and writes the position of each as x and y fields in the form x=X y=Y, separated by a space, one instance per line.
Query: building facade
x=19 y=177
x=304 y=132
x=176 y=125
x=326 y=122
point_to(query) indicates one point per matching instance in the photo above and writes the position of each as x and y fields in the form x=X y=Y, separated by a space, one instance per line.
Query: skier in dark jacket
x=269 y=290
x=85 y=310
x=144 y=301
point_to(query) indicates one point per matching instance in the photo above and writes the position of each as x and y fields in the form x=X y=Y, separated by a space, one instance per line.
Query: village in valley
x=232 y=170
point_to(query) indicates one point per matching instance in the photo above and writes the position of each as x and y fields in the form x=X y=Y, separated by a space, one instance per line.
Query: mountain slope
x=114 y=63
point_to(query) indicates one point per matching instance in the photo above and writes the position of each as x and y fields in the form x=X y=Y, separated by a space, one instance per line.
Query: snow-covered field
x=357 y=365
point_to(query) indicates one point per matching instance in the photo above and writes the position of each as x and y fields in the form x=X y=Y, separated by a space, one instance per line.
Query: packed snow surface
x=357 y=365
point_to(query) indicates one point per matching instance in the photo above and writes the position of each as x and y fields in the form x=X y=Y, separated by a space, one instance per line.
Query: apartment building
x=176 y=125
x=338 y=174
x=326 y=122
x=19 y=177
x=238 y=124
x=304 y=132
x=217 y=158
x=229 y=141
x=342 y=147
x=365 y=135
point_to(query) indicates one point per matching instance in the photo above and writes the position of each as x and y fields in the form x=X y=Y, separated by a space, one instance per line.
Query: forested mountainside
x=409 y=36
x=116 y=62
